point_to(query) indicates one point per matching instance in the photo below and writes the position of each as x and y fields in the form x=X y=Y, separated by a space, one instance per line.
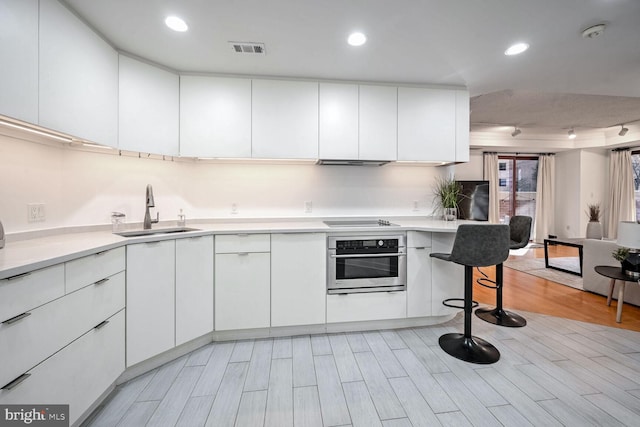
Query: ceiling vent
x=248 y=48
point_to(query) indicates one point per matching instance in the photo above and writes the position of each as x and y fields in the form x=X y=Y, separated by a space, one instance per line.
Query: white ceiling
x=453 y=42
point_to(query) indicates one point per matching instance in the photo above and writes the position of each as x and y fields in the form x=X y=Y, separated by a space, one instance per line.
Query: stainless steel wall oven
x=366 y=263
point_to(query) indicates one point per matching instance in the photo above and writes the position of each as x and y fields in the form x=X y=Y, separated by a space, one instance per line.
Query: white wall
x=473 y=170
x=83 y=188
x=567 y=197
x=581 y=179
x=594 y=183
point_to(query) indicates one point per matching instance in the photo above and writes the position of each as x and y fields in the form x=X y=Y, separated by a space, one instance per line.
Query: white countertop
x=22 y=256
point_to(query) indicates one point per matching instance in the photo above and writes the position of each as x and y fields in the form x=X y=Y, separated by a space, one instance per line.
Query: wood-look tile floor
x=552 y=372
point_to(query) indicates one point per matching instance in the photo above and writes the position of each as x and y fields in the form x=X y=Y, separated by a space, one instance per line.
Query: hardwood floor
x=530 y=293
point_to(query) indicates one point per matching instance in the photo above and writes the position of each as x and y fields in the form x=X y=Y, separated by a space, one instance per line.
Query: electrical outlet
x=415 y=206
x=35 y=212
x=308 y=207
x=234 y=208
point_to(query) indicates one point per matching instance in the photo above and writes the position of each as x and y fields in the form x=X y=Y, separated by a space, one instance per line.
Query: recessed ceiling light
x=516 y=49
x=572 y=134
x=176 y=24
x=357 y=39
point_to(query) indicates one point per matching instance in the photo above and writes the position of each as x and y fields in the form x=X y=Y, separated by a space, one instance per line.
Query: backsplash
x=83 y=188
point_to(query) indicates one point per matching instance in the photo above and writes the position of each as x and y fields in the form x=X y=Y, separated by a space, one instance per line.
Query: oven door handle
x=369 y=255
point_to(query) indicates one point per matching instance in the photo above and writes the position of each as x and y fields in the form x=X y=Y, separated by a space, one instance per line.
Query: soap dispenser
x=182 y=220
x=1 y=236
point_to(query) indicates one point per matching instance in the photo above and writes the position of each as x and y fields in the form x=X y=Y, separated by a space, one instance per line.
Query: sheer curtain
x=621 y=206
x=544 y=222
x=491 y=175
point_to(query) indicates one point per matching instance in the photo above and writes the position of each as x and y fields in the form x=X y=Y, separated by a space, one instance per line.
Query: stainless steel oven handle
x=368 y=255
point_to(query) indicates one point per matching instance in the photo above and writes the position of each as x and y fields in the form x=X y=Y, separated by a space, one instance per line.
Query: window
x=518 y=181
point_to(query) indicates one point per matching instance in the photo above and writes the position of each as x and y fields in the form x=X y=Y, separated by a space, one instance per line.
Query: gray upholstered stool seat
x=475 y=245
x=519 y=234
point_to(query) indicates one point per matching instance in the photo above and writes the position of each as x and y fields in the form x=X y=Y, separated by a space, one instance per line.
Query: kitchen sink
x=151 y=232
x=359 y=223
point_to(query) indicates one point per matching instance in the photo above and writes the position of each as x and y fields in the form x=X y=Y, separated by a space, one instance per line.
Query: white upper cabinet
x=426 y=124
x=148 y=108
x=284 y=119
x=378 y=115
x=338 y=121
x=215 y=117
x=19 y=53
x=78 y=78
x=462 y=125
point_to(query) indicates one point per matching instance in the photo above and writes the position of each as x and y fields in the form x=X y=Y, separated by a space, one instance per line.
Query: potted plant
x=447 y=192
x=594 y=228
x=620 y=254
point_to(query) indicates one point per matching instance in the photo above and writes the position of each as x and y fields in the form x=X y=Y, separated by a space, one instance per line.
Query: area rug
x=525 y=250
x=535 y=267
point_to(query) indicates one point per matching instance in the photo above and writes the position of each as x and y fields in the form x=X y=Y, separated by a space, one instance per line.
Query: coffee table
x=574 y=243
x=615 y=273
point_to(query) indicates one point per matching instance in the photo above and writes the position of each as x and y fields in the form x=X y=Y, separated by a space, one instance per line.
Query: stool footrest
x=447 y=302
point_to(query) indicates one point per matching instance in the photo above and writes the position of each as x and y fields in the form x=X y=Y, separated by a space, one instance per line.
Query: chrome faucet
x=150 y=203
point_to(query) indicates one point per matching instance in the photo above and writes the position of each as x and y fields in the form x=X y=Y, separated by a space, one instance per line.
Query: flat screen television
x=474 y=202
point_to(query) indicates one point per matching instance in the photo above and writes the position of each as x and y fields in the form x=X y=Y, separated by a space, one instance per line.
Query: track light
x=572 y=134
x=623 y=131
x=515 y=132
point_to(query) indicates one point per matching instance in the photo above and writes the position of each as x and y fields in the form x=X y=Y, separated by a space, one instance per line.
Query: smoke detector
x=593 y=31
x=248 y=48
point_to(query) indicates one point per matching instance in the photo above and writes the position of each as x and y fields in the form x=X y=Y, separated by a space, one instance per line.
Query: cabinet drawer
x=78 y=374
x=418 y=239
x=368 y=306
x=88 y=270
x=26 y=342
x=234 y=243
x=28 y=291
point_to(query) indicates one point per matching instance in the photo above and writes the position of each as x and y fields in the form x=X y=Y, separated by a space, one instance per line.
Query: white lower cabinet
x=418 y=274
x=242 y=291
x=367 y=306
x=194 y=288
x=447 y=278
x=26 y=342
x=76 y=375
x=298 y=278
x=150 y=299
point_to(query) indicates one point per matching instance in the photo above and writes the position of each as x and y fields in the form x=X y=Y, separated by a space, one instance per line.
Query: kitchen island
x=226 y=280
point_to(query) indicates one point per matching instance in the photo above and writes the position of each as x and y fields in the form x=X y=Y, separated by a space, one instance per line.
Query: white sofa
x=598 y=252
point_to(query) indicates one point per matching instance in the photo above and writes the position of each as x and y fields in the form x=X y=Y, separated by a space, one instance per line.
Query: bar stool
x=519 y=234
x=475 y=245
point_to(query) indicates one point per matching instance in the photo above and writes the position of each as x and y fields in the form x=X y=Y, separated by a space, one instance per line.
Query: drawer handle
x=242 y=234
x=243 y=253
x=19 y=276
x=421 y=248
x=152 y=243
x=101 y=282
x=101 y=253
x=15 y=382
x=101 y=324
x=16 y=318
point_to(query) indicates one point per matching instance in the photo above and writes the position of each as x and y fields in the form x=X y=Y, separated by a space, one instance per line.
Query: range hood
x=336 y=162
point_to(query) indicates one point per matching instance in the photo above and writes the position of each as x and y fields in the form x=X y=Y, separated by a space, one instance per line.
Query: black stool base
x=501 y=317
x=474 y=349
